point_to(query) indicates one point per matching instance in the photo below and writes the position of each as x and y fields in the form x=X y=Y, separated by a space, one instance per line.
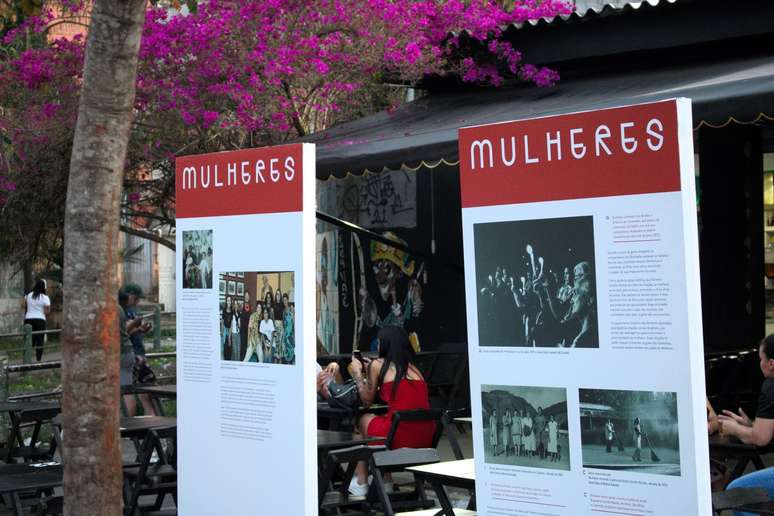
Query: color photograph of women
x=197 y=259
x=535 y=281
x=630 y=431
x=261 y=331
x=525 y=426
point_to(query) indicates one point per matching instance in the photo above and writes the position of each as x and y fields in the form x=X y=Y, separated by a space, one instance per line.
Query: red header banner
x=618 y=151
x=265 y=180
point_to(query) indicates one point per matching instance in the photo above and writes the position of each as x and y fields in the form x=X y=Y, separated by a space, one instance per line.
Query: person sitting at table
x=398 y=381
x=713 y=425
x=759 y=431
x=325 y=376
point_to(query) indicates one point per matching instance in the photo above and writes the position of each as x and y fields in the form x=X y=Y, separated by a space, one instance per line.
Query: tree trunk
x=90 y=342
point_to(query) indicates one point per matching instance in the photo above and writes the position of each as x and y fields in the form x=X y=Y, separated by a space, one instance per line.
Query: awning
x=739 y=91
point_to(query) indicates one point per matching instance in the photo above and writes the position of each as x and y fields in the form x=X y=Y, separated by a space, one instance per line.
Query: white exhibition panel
x=247 y=430
x=647 y=354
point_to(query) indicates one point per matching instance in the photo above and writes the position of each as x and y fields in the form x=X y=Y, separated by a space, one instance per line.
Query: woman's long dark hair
x=395 y=349
x=38 y=289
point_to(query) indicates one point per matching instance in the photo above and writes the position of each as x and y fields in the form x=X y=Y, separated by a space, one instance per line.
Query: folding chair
x=16 y=447
x=159 y=479
x=393 y=461
x=337 y=500
x=451 y=430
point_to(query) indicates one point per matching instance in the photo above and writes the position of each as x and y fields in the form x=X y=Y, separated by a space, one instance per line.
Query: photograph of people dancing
x=520 y=299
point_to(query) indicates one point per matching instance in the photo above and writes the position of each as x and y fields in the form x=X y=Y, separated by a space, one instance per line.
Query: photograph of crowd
x=257 y=317
x=535 y=281
x=525 y=426
x=630 y=431
x=197 y=259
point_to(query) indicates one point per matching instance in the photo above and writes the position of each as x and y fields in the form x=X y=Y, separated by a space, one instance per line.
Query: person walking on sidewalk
x=37 y=305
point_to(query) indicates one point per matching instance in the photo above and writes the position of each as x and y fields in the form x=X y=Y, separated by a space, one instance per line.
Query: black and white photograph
x=525 y=426
x=536 y=283
x=197 y=259
x=630 y=431
x=255 y=328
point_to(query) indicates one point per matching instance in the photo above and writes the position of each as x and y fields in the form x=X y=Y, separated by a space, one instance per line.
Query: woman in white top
x=267 y=332
x=553 y=439
x=36 y=305
x=506 y=433
x=493 y=431
x=529 y=434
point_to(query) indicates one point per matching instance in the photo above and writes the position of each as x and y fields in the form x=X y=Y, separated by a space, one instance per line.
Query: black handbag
x=142 y=373
x=344 y=396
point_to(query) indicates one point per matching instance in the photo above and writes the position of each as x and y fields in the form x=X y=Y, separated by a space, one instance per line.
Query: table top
x=719 y=442
x=166 y=391
x=328 y=439
x=453 y=471
x=140 y=425
x=18 y=406
x=757 y=508
x=326 y=410
x=28 y=477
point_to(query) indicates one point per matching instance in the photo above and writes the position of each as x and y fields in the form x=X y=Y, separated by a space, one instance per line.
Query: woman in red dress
x=400 y=384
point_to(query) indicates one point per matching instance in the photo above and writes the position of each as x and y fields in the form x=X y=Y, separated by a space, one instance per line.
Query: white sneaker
x=358 y=489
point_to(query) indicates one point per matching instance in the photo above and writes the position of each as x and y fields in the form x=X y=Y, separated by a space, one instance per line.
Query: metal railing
x=9 y=369
x=26 y=336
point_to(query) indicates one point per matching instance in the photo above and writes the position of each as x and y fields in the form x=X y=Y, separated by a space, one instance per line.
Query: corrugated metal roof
x=595 y=8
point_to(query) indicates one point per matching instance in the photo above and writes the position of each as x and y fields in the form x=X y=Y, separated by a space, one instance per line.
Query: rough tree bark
x=90 y=347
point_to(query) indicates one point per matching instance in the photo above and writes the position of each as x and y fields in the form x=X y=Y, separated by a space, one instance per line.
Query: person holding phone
x=126 y=328
x=397 y=381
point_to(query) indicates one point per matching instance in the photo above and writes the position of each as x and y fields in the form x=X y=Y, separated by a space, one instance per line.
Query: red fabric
x=410 y=395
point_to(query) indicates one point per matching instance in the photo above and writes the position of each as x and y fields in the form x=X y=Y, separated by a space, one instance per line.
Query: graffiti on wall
x=386 y=200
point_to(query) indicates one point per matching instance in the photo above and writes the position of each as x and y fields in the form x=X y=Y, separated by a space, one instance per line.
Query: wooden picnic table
x=19 y=478
x=757 y=508
x=330 y=440
x=162 y=391
x=158 y=393
x=725 y=447
x=336 y=416
x=454 y=473
x=12 y=407
x=34 y=413
x=137 y=427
